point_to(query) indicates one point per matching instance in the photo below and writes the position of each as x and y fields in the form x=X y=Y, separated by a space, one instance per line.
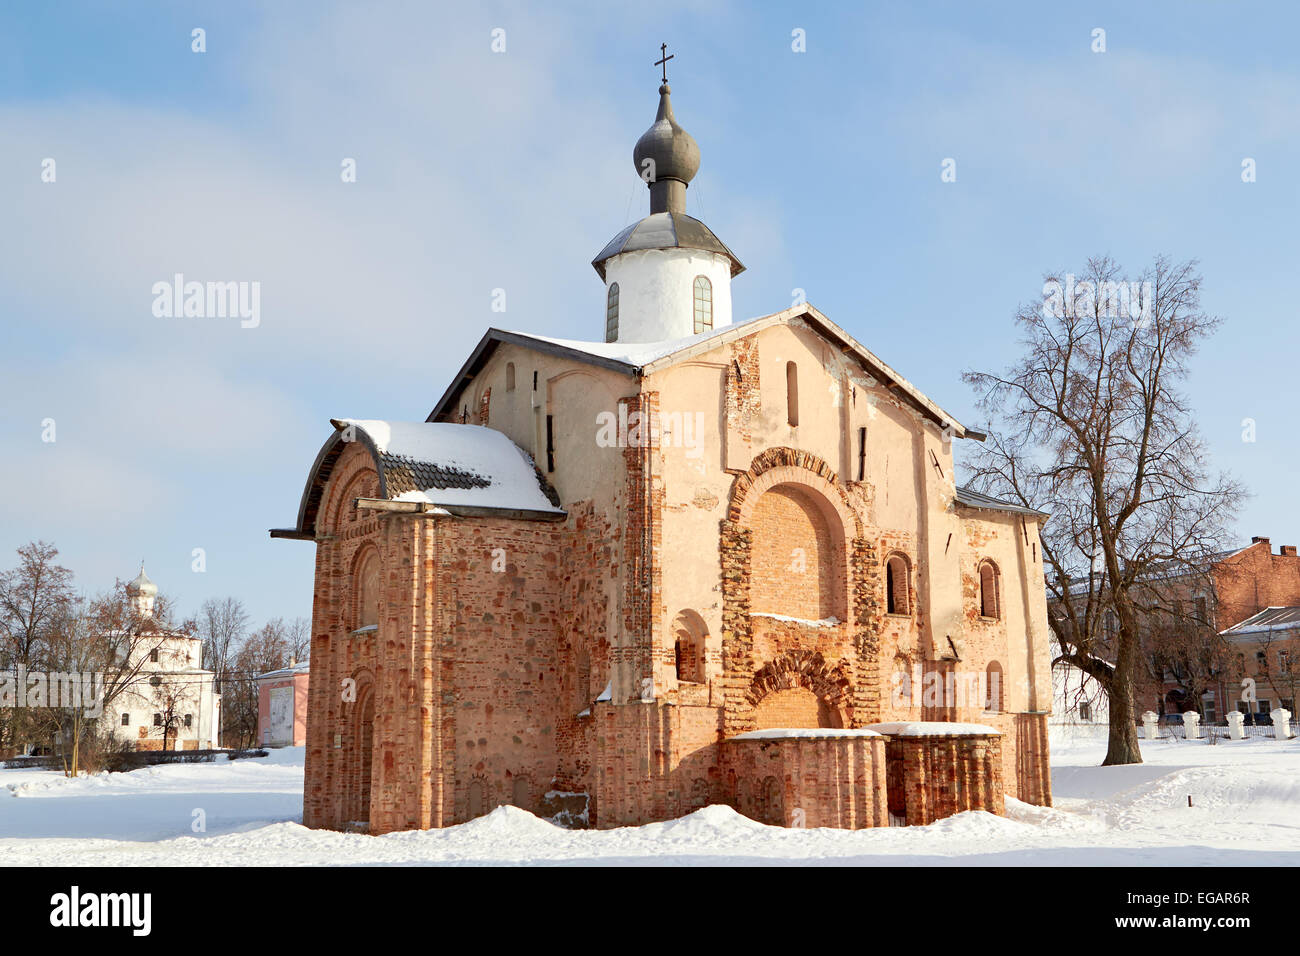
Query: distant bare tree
x=1090 y=425
x=222 y=624
x=34 y=599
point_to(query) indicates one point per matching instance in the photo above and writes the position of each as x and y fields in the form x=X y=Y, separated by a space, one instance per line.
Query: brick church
x=700 y=561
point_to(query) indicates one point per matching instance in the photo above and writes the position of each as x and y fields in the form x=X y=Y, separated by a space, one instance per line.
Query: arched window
x=897 y=585
x=989 y=605
x=792 y=393
x=703 y=305
x=993 y=701
x=365 y=589
x=510 y=376
x=611 y=313
x=689 y=631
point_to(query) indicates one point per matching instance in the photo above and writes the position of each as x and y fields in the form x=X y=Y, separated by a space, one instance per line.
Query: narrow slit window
x=792 y=393
x=862 y=453
x=550 y=442
x=510 y=376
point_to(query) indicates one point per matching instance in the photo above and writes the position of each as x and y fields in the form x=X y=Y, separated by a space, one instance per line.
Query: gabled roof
x=1269 y=619
x=640 y=359
x=462 y=469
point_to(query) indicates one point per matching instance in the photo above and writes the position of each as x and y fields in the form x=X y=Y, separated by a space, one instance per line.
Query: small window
x=1085 y=711
x=550 y=442
x=126 y=720
x=157 y=720
x=189 y=720
x=993 y=688
x=792 y=393
x=989 y=590
x=896 y=585
x=862 y=453
x=611 y=314
x=510 y=376
x=153 y=656
x=703 y=305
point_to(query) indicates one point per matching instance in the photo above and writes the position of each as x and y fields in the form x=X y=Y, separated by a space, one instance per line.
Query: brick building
x=698 y=562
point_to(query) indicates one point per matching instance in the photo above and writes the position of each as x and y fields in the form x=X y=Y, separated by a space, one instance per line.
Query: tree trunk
x=1122 y=746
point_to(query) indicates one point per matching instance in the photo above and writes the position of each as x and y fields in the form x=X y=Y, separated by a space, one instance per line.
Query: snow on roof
x=636 y=354
x=443 y=463
x=933 y=728
x=784 y=733
x=302 y=668
x=1269 y=619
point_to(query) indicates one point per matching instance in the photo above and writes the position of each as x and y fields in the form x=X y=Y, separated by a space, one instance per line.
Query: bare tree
x=222 y=624
x=34 y=599
x=1090 y=425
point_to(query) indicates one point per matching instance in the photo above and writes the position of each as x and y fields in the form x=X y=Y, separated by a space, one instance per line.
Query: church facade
x=697 y=562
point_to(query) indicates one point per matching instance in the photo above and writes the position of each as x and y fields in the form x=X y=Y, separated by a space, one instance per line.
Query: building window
x=862 y=453
x=157 y=720
x=510 y=376
x=611 y=313
x=993 y=688
x=989 y=590
x=153 y=656
x=1284 y=663
x=550 y=442
x=792 y=393
x=703 y=305
x=689 y=634
x=896 y=585
x=126 y=720
x=1085 y=711
x=189 y=720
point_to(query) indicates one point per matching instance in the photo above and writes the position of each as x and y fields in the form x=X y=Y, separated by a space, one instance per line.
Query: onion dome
x=667 y=157
x=142 y=584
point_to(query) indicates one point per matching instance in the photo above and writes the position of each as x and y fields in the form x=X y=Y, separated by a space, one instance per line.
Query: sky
x=481 y=169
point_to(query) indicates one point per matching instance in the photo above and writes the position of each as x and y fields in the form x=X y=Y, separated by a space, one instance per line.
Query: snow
x=1245 y=812
x=822 y=622
x=786 y=733
x=638 y=354
x=932 y=728
x=476 y=449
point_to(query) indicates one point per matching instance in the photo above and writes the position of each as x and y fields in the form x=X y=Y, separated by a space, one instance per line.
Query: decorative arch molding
x=832 y=683
x=782 y=465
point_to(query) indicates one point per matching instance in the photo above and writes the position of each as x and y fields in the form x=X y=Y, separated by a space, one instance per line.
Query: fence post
x=1192 y=721
x=1281 y=723
x=1236 y=725
x=1151 y=725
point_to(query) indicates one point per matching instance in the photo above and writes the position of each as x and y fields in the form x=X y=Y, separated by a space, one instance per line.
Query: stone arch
x=690 y=635
x=990 y=598
x=364 y=483
x=801 y=676
x=365 y=588
x=783 y=465
x=798 y=559
x=898 y=583
x=521 y=792
x=358 y=755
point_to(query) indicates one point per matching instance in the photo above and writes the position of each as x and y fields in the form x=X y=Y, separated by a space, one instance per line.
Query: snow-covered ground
x=1245 y=796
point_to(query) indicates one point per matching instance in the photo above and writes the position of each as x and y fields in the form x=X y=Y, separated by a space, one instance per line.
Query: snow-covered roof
x=302 y=668
x=642 y=358
x=453 y=468
x=933 y=728
x=784 y=733
x=1269 y=619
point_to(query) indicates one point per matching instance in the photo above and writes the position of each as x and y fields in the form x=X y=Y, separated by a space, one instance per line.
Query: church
x=699 y=561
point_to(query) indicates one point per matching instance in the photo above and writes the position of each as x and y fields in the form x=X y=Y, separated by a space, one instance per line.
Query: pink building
x=282 y=706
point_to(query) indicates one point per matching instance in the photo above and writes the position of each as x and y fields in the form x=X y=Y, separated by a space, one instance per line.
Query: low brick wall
x=828 y=778
x=932 y=776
